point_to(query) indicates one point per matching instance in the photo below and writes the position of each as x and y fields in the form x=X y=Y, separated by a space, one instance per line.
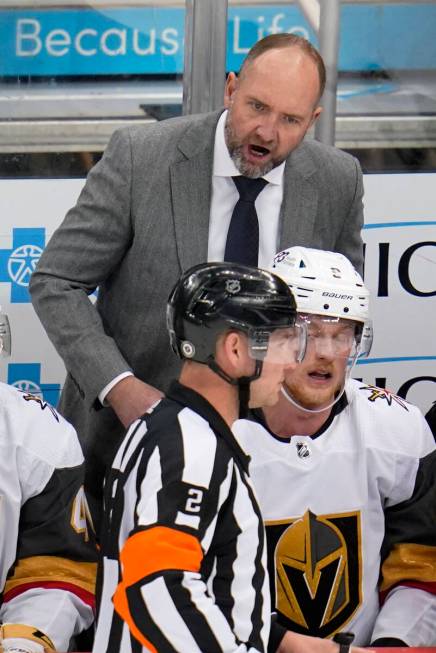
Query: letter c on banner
x=79 y=44
x=404 y=389
x=403 y=269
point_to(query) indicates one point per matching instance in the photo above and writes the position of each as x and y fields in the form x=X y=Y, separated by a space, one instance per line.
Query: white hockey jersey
x=350 y=515
x=47 y=556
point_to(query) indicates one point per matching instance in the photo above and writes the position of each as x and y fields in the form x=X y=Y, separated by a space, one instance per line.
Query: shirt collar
x=223 y=165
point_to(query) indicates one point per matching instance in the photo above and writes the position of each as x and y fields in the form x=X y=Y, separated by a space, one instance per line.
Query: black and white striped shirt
x=184 y=563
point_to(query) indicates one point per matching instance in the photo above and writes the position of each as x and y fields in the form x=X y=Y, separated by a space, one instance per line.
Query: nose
x=267 y=128
x=324 y=347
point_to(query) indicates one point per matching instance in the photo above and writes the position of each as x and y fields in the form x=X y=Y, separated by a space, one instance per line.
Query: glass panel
x=71 y=73
x=386 y=108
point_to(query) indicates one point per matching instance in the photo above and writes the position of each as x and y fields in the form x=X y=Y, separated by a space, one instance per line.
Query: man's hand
x=130 y=398
x=296 y=643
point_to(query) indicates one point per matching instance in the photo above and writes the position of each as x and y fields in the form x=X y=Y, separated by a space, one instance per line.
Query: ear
x=233 y=347
x=315 y=115
x=230 y=88
x=232 y=353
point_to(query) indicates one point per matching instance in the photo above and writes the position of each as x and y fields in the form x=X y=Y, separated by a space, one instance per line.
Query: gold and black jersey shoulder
x=56 y=542
x=409 y=546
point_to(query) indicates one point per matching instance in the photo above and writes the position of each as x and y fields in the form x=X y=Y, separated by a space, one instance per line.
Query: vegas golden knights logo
x=386 y=395
x=317 y=571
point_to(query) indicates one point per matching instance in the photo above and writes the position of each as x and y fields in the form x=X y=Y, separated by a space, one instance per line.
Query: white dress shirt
x=224 y=197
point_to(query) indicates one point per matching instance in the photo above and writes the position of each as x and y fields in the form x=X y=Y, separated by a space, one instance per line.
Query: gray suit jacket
x=141 y=219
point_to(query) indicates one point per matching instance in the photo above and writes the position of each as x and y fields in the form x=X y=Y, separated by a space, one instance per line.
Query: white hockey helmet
x=324 y=283
x=5 y=335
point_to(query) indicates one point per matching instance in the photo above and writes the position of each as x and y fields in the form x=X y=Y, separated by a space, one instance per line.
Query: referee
x=183 y=558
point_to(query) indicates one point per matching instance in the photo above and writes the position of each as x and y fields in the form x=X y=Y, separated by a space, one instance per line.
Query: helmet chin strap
x=243 y=383
x=292 y=401
x=314 y=411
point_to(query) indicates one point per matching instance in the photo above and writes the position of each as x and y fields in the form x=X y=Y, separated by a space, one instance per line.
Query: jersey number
x=80 y=516
x=194 y=501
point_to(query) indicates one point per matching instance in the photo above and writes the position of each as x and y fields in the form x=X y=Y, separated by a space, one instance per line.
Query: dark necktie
x=242 y=244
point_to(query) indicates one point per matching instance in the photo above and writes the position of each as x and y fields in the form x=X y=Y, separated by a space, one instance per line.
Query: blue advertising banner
x=147 y=40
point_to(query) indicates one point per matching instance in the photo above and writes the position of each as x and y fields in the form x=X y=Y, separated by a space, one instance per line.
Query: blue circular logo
x=22 y=262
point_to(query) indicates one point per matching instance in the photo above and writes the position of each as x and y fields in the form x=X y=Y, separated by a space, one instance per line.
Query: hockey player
x=47 y=555
x=184 y=565
x=345 y=475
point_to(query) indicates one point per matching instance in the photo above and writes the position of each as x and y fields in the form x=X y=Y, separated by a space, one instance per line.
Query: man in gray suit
x=161 y=200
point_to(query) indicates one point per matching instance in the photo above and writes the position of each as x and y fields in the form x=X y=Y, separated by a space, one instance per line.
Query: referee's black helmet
x=213 y=298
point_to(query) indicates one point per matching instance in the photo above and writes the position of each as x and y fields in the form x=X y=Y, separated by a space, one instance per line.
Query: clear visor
x=284 y=345
x=5 y=336
x=335 y=337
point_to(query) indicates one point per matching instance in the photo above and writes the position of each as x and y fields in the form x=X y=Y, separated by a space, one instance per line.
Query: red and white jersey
x=47 y=556
x=350 y=515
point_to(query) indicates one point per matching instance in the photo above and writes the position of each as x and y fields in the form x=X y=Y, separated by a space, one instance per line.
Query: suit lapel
x=191 y=184
x=300 y=200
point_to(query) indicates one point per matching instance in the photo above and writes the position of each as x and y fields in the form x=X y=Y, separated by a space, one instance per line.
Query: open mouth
x=258 y=151
x=320 y=376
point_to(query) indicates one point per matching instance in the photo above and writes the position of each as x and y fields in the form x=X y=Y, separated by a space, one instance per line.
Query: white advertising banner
x=400 y=270
x=30 y=210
